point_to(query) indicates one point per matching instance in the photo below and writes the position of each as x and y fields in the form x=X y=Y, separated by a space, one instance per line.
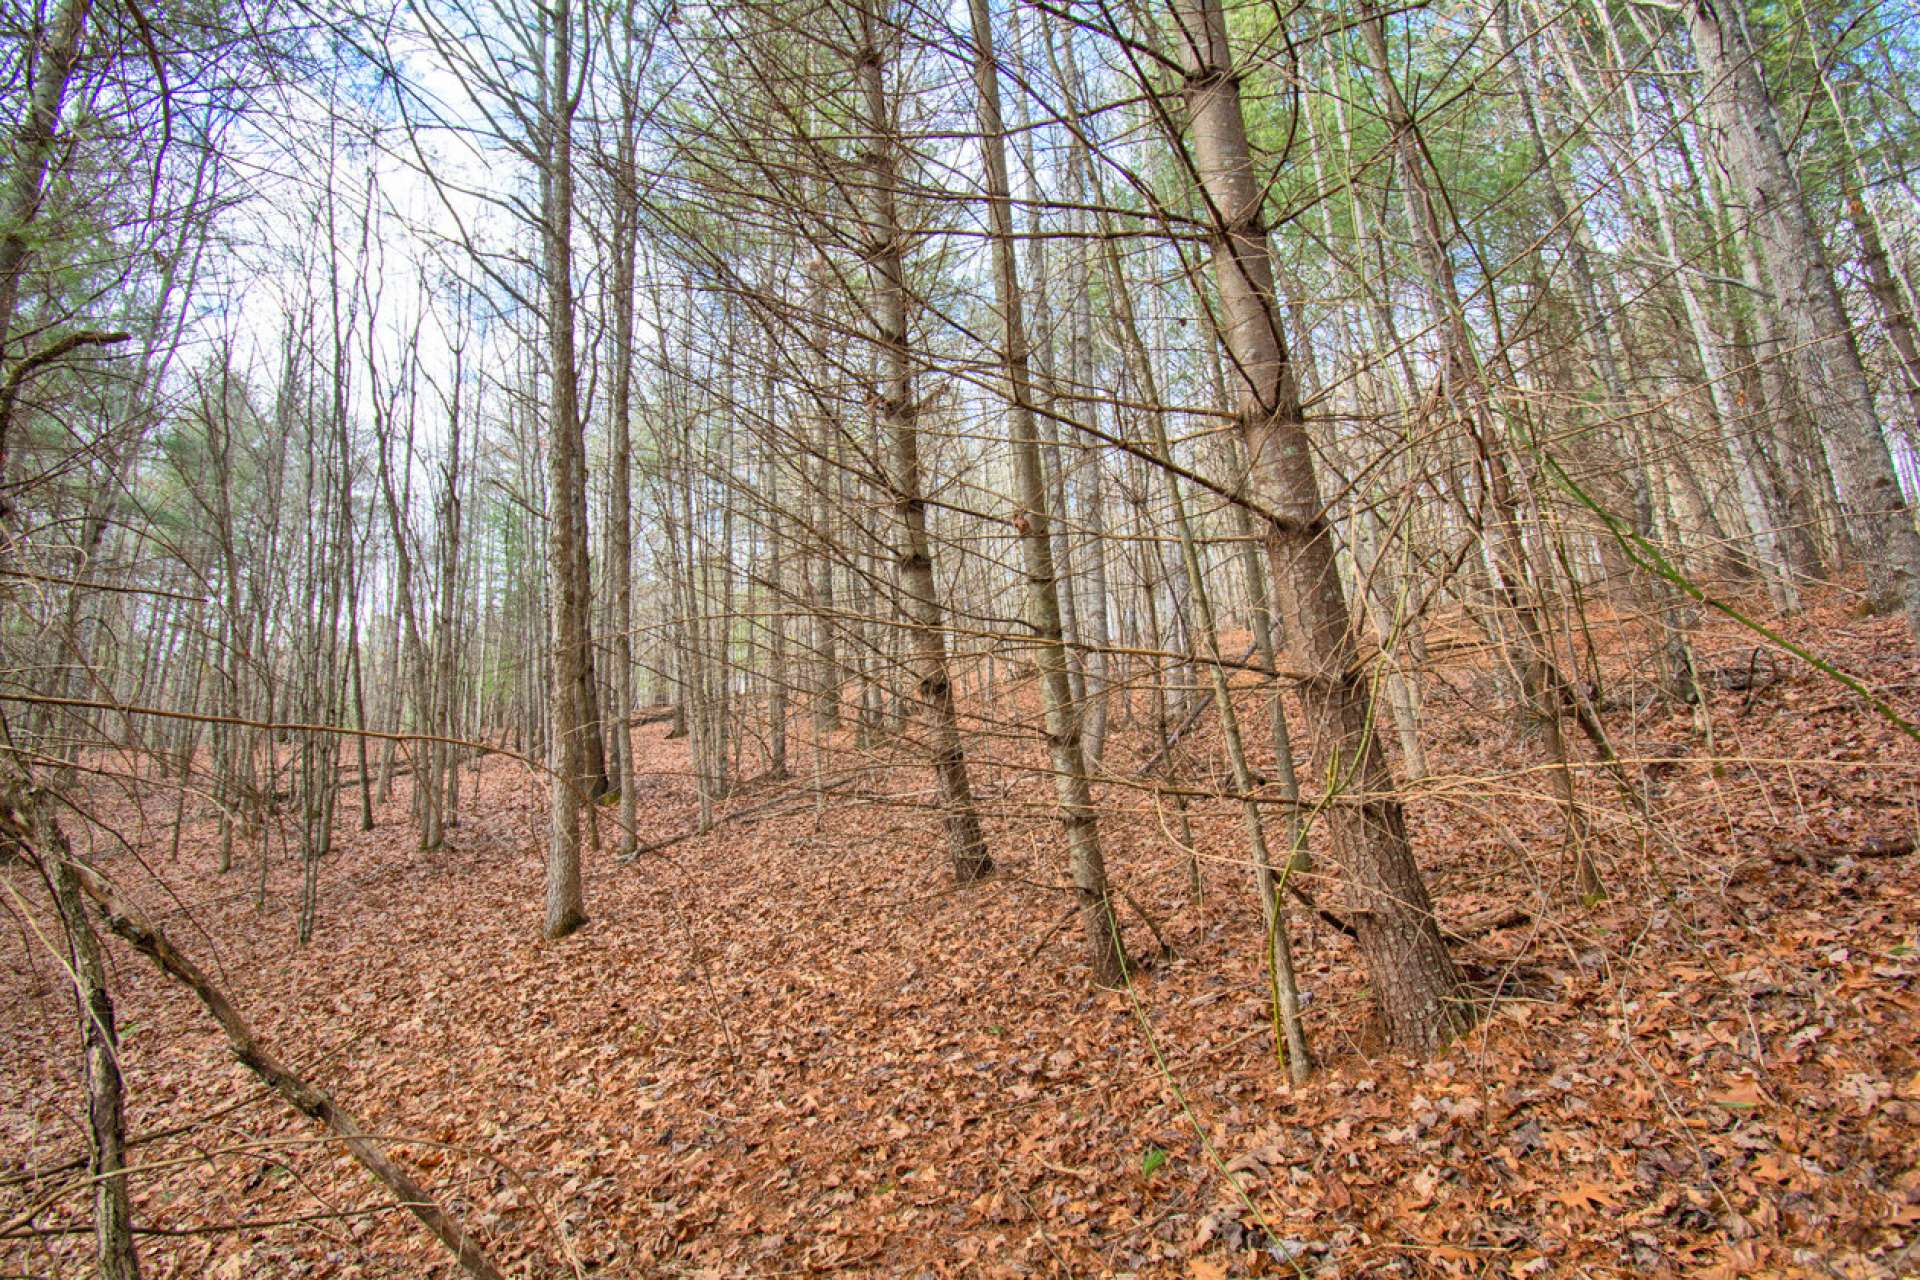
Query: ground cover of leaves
x=788 y=1047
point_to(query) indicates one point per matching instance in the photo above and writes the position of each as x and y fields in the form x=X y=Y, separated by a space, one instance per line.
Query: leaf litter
x=791 y=1049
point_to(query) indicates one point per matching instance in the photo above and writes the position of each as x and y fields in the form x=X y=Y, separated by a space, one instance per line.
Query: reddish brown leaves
x=795 y=1050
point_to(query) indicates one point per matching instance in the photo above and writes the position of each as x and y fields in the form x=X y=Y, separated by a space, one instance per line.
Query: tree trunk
x=1073 y=792
x=27 y=820
x=32 y=150
x=1465 y=383
x=1414 y=981
x=625 y=231
x=1809 y=301
x=966 y=845
x=566 y=909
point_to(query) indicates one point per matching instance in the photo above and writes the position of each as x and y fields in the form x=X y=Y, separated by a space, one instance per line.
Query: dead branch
x=148 y=938
x=1820 y=856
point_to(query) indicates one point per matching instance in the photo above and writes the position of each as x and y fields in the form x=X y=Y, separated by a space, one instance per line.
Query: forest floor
x=789 y=1048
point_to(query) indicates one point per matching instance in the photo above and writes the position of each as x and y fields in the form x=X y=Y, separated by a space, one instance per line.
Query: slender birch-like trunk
x=1809 y=301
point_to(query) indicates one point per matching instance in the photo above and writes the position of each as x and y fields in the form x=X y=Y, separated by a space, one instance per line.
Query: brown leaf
x=1586 y=1197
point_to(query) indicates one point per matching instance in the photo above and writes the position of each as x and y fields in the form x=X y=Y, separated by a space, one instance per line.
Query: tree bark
x=966 y=844
x=566 y=908
x=1809 y=301
x=1415 y=984
x=625 y=232
x=1073 y=792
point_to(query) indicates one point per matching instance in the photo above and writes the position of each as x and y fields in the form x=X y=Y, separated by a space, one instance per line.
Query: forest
x=1103 y=638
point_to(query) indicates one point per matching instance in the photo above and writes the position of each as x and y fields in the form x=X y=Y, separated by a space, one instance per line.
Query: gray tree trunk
x=1072 y=791
x=1415 y=984
x=966 y=844
x=1809 y=303
x=566 y=908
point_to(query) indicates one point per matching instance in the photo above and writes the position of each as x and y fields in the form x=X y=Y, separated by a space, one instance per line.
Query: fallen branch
x=30 y=824
x=784 y=798
x=1486 y=922
x=1166 y=948
x=1327 y=917
x=1465 y=931
x=1817 y=856
x=1848 y=703
x=346 y=780
x=40 y=1173
x=1066 y=918
x=147 y=938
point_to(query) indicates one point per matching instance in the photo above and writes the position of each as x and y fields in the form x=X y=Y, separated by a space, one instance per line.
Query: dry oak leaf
x=1745 y=1095
x=1588 y=1196
x=1206 y=1269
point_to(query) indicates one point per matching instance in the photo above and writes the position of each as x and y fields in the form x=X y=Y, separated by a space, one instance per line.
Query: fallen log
x=349 y=780
x=1465 y=931
x=1486 y=922
x=34 y=827
x=1817 y=856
